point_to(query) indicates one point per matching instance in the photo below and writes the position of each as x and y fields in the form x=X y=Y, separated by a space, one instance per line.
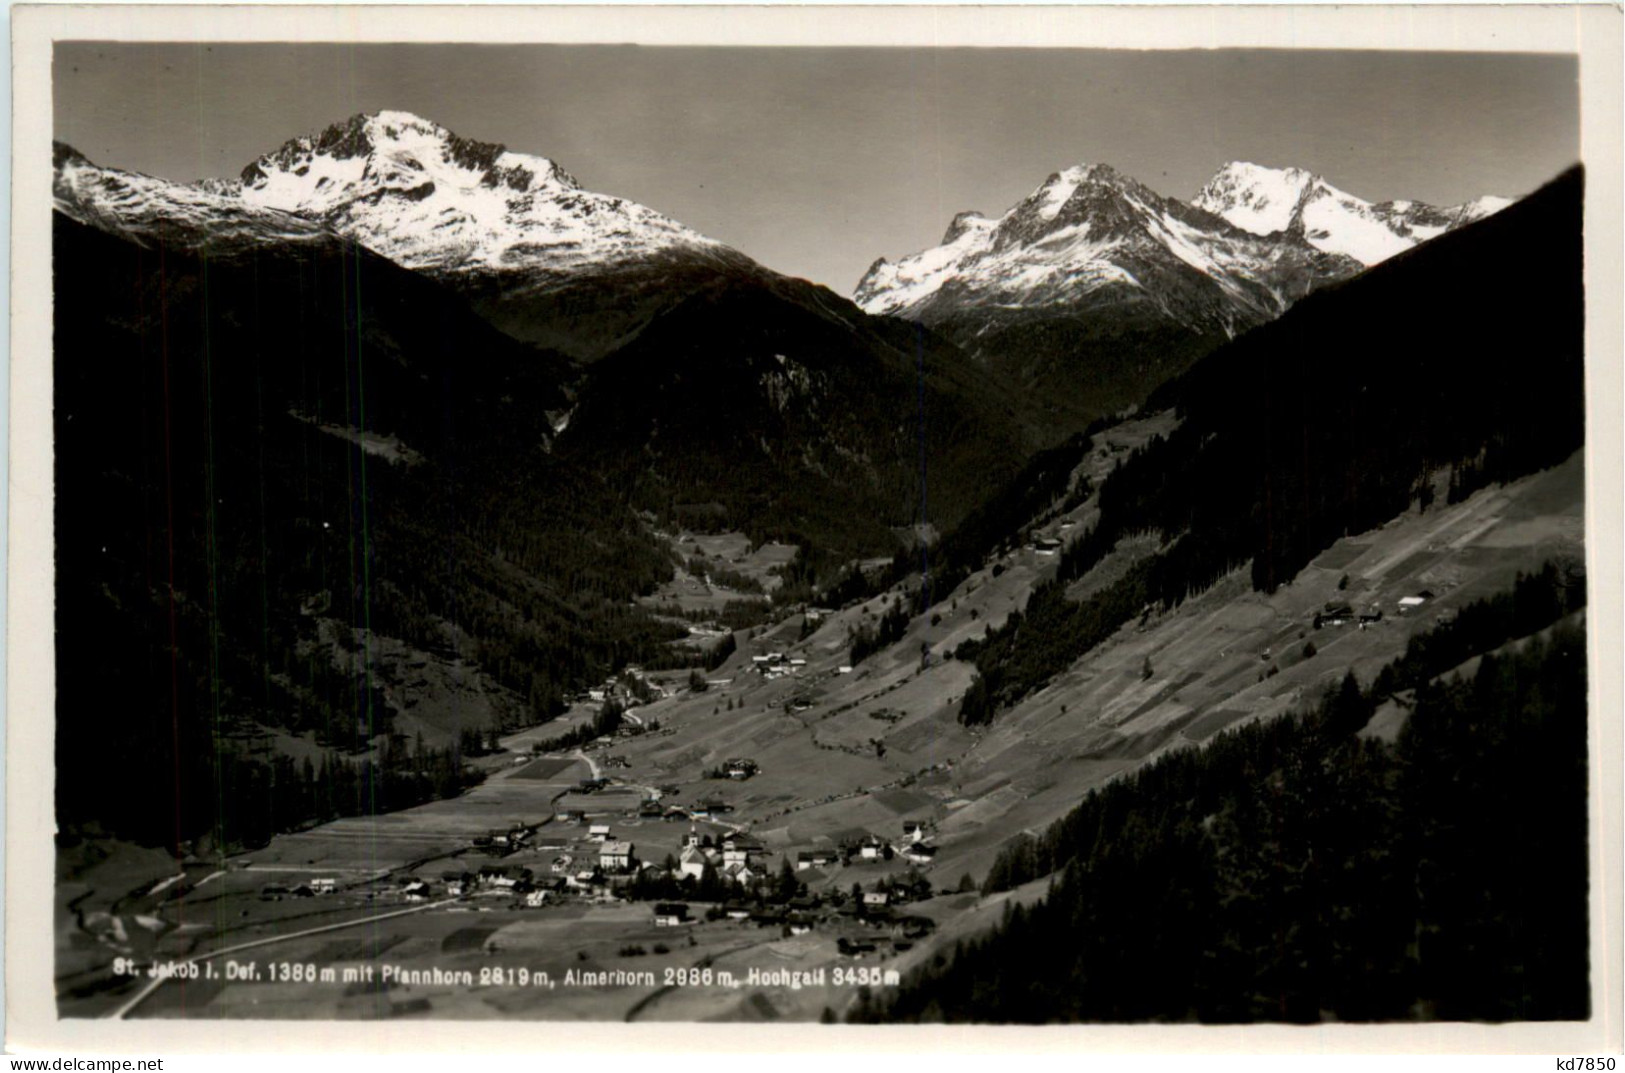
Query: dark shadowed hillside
x=777 y=407
x=257 y=448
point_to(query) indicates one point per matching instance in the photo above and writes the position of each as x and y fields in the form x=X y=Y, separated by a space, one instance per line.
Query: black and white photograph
x=818 y=533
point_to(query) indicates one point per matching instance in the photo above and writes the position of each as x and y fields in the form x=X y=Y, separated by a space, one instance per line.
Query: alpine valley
x=1127 y=610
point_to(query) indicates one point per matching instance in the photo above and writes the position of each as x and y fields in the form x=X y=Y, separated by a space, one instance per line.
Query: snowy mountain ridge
x=1089 y=233
x=1265 y=201
x=1262 y=236
x=411 y=190
x=144 y=209
x=404 y=187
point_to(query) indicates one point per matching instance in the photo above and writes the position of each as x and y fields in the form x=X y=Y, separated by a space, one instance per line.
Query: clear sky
x=815 y=161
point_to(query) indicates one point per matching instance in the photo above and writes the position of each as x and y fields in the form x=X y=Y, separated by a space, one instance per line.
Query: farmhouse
x=742 y=768
x=615 y=856
x=504 y=877
x=324 y=885
x=670 y=914
x=598 y=832
x=919 y=852
x=816 y=858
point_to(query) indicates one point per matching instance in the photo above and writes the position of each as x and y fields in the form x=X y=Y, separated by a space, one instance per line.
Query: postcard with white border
x=1091 y=529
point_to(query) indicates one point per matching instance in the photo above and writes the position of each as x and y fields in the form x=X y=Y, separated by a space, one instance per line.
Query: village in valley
x=791 y=808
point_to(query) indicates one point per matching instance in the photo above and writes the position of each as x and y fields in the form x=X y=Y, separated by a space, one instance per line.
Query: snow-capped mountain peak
x=1063 y=186
x=540 y=257
x=1264 y=201
x=413 y=191
x=1090 y=238
x=1090 y=234
x=391 y=152
x=1255 y=198
x=406 y=188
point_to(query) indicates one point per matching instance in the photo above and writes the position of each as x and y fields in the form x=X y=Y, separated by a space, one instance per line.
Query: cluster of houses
x=1336 y=613
x=497 y=878
x=876 y=911
x=616 y=859
x=615 y=688
x=502 y=843
x=1045 y=545
x=310 y=888
x=737 y=858
x=1340 y=613
x=703 y=810
x=775 y=665
x=649 y=808
x=798 y=915
x=913 y=847
x=491 y=878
